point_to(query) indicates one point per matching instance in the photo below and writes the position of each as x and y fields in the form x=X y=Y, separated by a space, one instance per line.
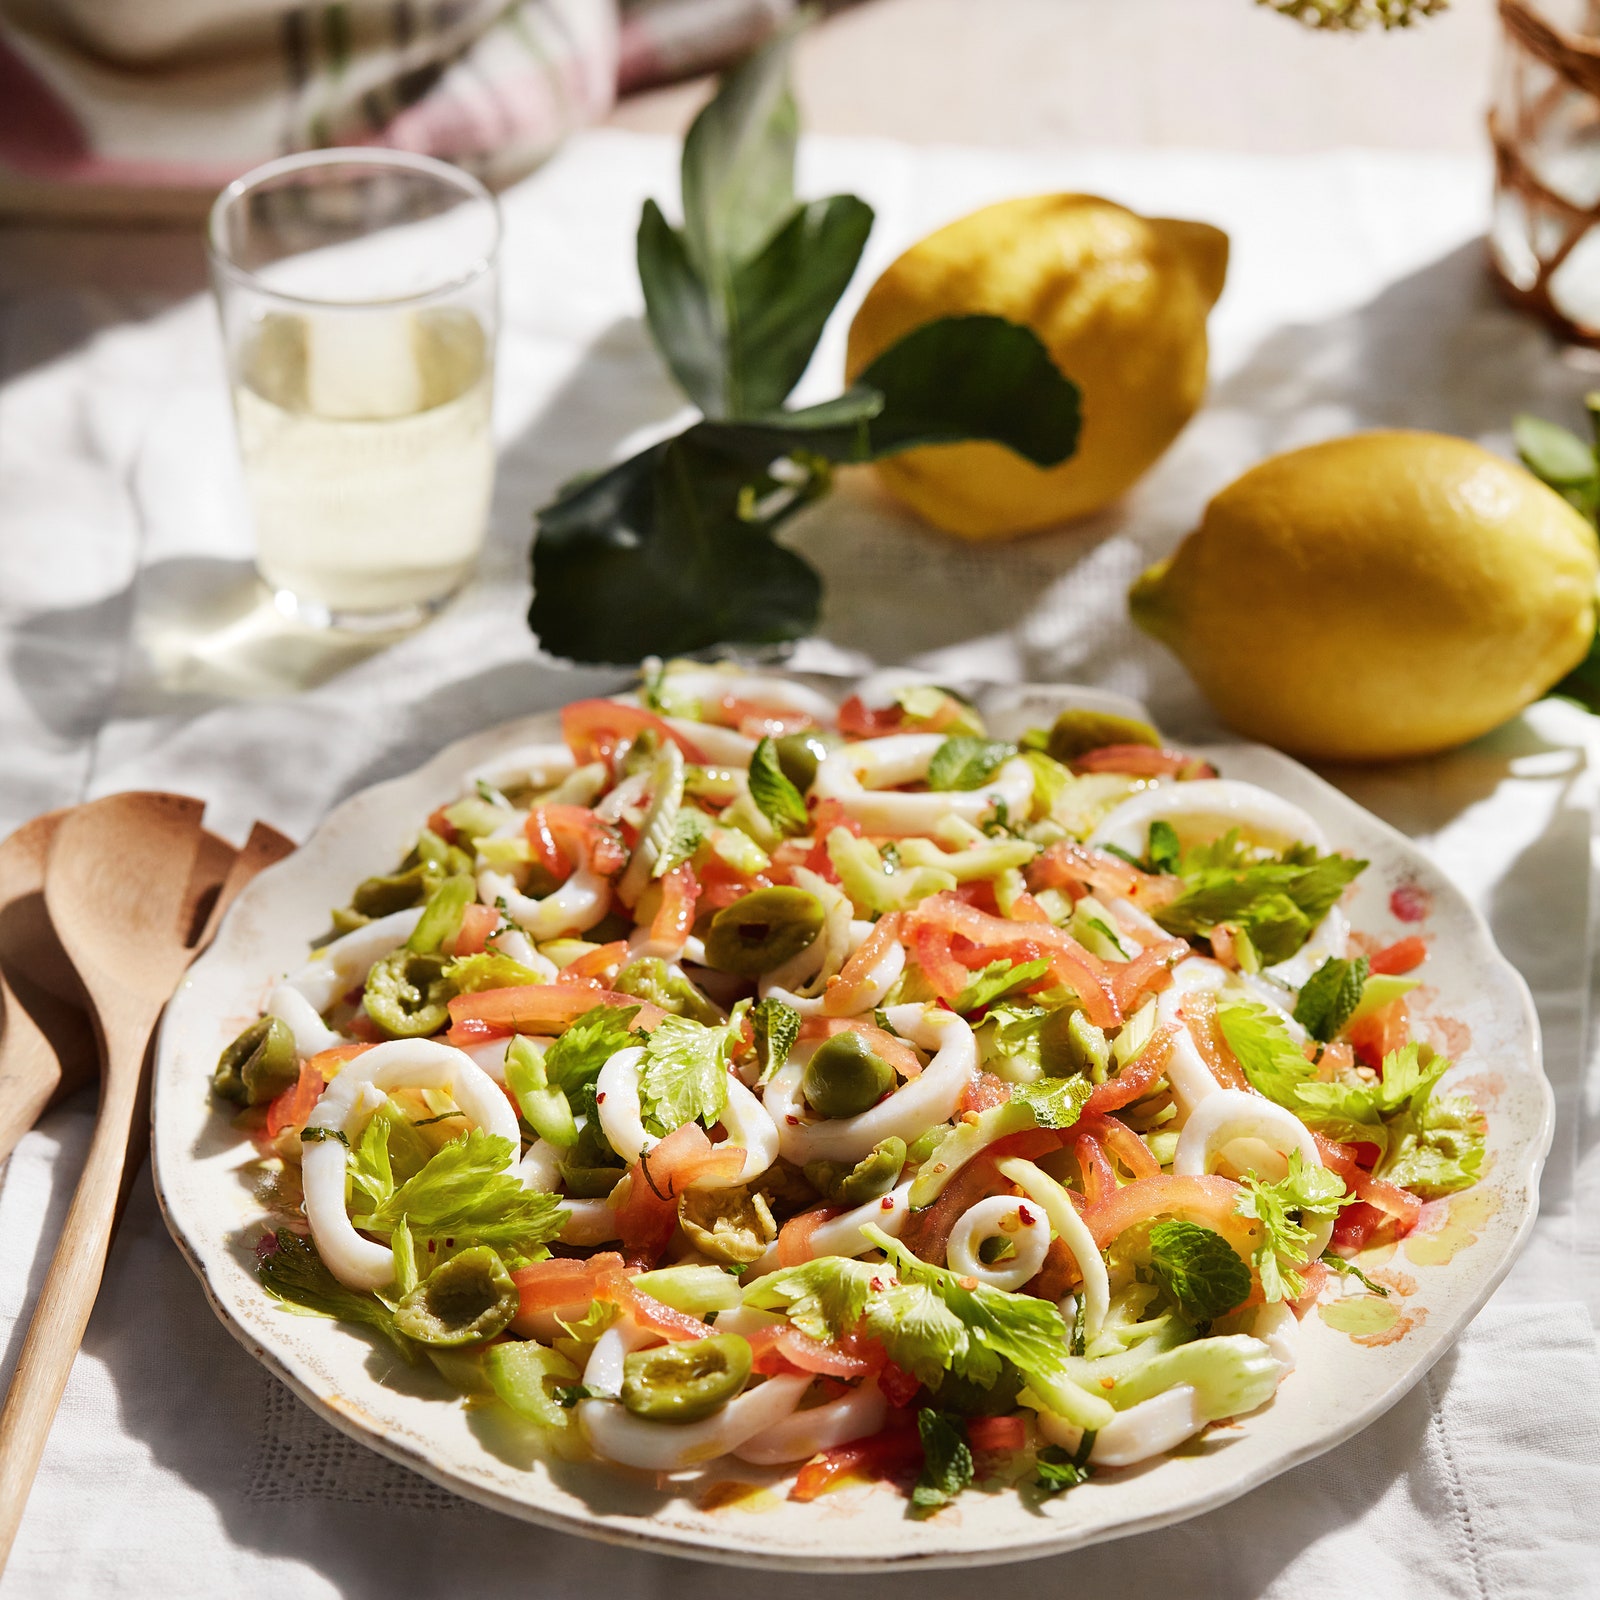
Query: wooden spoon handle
x=73 y=1281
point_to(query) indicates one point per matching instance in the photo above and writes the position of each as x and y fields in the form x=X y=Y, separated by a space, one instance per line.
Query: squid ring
x=856 y=775
x=1004 y=1217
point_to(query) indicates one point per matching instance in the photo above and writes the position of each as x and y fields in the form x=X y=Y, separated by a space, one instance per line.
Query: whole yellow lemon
x=1378 y=596
x=1120 y=302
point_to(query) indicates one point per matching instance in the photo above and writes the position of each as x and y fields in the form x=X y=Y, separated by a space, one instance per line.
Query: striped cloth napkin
x=150 y=108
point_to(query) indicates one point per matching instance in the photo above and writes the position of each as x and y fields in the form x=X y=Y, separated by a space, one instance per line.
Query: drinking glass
x=359 y=304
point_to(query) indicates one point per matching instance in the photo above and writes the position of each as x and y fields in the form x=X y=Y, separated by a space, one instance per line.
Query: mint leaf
x=1054 y=1102
x=466 y=1195
x=295 y=1274
x=996 y=981
x=1307 y=1192
x=963 y=762
x=775 y=795
x=946 y=1459
x=1330 y=996
x=684 y=1075
x=1162 y=851
x=1199 y=1268
x=1272 y=1061
x=777 y=1028
x=1058 y=1471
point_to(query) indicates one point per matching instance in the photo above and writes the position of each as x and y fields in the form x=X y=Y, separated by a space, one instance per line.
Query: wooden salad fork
x=120 y=885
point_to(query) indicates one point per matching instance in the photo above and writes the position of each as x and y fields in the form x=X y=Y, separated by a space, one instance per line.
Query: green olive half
x=844 y=1078
x=259 y=1065
x=762 y=930
x=394 y=891
x=1069 y=1044
x=799 y=755
x=467 y=1300
x=408 y=995
x=685 y=1382
x=872 y=1177
x=1076 y=732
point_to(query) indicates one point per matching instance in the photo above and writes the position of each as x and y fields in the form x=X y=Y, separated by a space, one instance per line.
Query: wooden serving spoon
x=118 y=885
x=47 y=1043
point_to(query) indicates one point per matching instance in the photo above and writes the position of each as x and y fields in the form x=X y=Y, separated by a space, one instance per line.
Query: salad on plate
x=841 y=1090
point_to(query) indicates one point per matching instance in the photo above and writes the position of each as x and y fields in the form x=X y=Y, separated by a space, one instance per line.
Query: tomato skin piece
x=680 y=892
x=440 y=824
x=535 y=1008
x=595 y=730
x=884 y=1455
x=1404 y=955
x=1136 y=1079
x=720 y=885
x=649 y=1312
x=648 y=1217
x=857 y=720
x=794 y=1236
x=1355 y=1226
x=784 y=1348
x=1099 y=1180
x=472 y=937
x=1387 y=1197
x=997 y=1435
x=984 y=1093
x=1143 y=761
x=291 y=1108
x=594 y=964
x=1209 y=1199
x=561 y=1281
x=1375 y=1036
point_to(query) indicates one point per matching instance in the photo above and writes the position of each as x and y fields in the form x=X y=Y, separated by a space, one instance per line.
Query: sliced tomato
x=1121 y=1142
x=536 y=1008
x=781 y=1347
x=647 y=1311
x=857 y=720
x=594 y=965
x=1143 y=761
x=291 y=1108
x=477 y=923
x=1094 y=1168
x=1404 y=955
x=648 y=1216
x=927 y=1232
x=794 y=1237
x=440 y=824
x=1208 y=1199
x=564 y=837
x=1396 y=1202
x=827 y=815
x=898 y=1449
x=757 y=721
x=1376 y=1035
x=1136 y=1079
x=1355 y=1226
x=1148 y=972
x=720 y=885
x=984 y=1093
x=997 y=1435
x=596 y=729
x=1199 y=1013
x=561 y=1281
x=674 y=919
x=898 y=1386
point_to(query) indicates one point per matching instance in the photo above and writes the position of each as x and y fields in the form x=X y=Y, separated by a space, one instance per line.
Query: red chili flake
x=792 y=1120
x=600 y=1099
x=887 y=1203
x=1025 y=1216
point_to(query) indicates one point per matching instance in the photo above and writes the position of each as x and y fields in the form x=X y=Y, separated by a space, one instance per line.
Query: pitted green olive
x=1069 y=1044
x=733 y=1225
x=467 y=1300
x=844 y=1078
x=685 y=1382
x=799 y=755
x=1075 y=732
x=394 y=891
x=762 y=930
x=408 y=995
x=259 y=1065
x=872 y=1177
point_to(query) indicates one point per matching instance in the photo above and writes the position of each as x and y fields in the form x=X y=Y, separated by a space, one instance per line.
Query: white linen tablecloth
x=1356 y=298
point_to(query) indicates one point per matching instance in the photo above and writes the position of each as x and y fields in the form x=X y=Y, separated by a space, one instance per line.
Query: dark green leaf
x=946 y=1459
x=678 y=308
x=977 y=377
x=589 y=1041
x=1200 y=1269
x=1059 y=1471
x=780 y=300
x=1162 y=852
x=774 y=794
x=1330 y=996
x=295 y=1273
x=738 y=161
x=963 y=762
x=669 y=553
x=1054 y=1102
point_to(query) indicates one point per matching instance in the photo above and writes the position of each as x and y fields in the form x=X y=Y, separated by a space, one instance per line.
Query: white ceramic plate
x=1357 y=1354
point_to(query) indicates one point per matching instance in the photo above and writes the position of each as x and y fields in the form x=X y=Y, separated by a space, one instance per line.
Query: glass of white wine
x=358 y=293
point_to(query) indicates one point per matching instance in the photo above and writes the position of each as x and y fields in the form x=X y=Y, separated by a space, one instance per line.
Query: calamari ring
x=856 y=774
x=1000 y=1216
